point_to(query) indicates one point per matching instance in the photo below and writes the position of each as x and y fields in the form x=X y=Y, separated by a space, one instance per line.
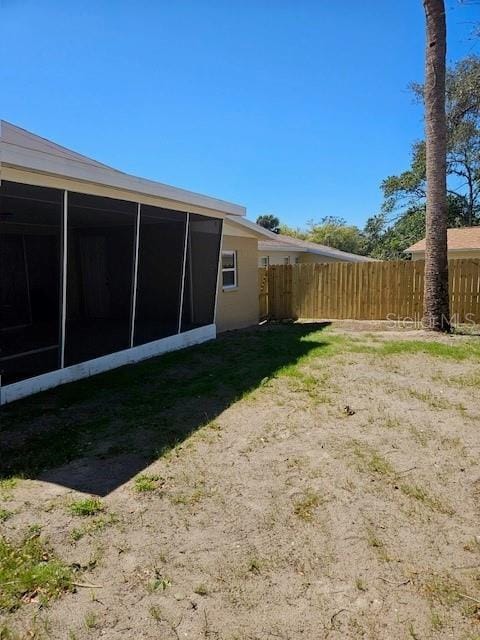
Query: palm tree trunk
x=436 y=303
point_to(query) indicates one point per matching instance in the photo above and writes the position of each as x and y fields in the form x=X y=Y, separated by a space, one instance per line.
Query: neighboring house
x=286 y=250
x=462 y=243
x=99 y=268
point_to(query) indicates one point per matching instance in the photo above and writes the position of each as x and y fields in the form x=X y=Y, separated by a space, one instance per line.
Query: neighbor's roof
x=457 y=240
x=20 y=148
x=286 y=243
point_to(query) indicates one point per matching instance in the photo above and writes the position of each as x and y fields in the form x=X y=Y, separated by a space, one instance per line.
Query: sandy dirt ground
x=339 y=499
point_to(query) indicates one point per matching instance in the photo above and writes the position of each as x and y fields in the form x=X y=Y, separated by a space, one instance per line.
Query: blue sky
x=293 y=107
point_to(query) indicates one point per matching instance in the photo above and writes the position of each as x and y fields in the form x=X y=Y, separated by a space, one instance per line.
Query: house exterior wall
x=309 y=258
x=238 y=307
x=33 y=378
x=278 y=257
x=452 y=255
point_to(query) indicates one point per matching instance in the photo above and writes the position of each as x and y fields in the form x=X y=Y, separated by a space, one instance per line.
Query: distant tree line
x=401 y=221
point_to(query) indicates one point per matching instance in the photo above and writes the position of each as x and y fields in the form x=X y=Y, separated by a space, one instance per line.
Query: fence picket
x=363 y=291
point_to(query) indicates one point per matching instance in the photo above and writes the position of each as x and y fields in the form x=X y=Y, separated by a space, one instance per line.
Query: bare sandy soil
x=339 y=499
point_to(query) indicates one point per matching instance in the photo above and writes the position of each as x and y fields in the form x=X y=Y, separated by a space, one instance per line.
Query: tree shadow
x=95 y=434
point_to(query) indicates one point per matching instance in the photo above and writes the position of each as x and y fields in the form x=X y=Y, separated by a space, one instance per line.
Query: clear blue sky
x=292 y=107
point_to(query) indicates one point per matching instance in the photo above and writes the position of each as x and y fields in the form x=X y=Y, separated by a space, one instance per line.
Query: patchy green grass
x=140 y=397
x=86 y=507
x=370 y=460
x=419 y=493
x=145 y=483
x=7 y=485
x=94 y=526
x=5 y=514
x=201 y=590
x=468 y=349
x=28 y=570
x=377 y=544
x=188 y=499
x=90 y=620
x=304 y=507
x=443 y=589
x=435 y=401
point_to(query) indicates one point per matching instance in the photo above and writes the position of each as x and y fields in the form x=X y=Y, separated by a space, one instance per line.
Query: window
x=229 y=269
x=286 y=260
x=264 y=261
x=297 y=260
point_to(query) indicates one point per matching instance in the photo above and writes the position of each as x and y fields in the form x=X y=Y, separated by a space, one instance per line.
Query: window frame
x=286 y=261
x=267 y=261
x=234 y=270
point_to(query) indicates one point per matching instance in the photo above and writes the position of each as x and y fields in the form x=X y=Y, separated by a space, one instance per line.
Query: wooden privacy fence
x=363 y=291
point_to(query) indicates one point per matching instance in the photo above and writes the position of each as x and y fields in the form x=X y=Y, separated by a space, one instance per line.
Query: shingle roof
x=457 y=239
x=286 y=243
x=21 y=148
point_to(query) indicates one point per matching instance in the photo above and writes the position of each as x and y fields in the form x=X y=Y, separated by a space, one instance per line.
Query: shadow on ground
x=95 y=434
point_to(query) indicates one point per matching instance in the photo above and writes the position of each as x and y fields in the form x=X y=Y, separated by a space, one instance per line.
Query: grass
x=468 y=349
x=305 y=506
x=95 y=526
x=188 y=499
x=433 y=400
x=7 y=485
x=421 y=495
x=156 y=613
x=201 y=590
x=90 y=620
x=145 y=483
x=140 y=397
x=5 y=514
x=29 y=569
x=377 y=544
x=86 y=507
x=360 y=584
x=370 y=460
x=443 y=589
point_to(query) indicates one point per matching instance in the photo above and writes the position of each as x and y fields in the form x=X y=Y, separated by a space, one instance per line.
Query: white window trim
x=230 y=269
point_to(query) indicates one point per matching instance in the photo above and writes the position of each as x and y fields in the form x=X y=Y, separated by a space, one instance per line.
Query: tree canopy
x=401 y=221
x=270 y=222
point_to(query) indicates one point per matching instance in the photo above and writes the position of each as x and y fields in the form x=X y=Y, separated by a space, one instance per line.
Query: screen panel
x=100 y=253
x=204 y=239
x=30 y=280
x=159 y=279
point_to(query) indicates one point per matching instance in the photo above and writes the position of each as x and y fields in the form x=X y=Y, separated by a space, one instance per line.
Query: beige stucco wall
x=452 y=255
x=314 y=257
x=277 y=257
x=237 y=308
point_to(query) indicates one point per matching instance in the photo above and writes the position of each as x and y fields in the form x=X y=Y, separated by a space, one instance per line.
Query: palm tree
x=436 y=303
